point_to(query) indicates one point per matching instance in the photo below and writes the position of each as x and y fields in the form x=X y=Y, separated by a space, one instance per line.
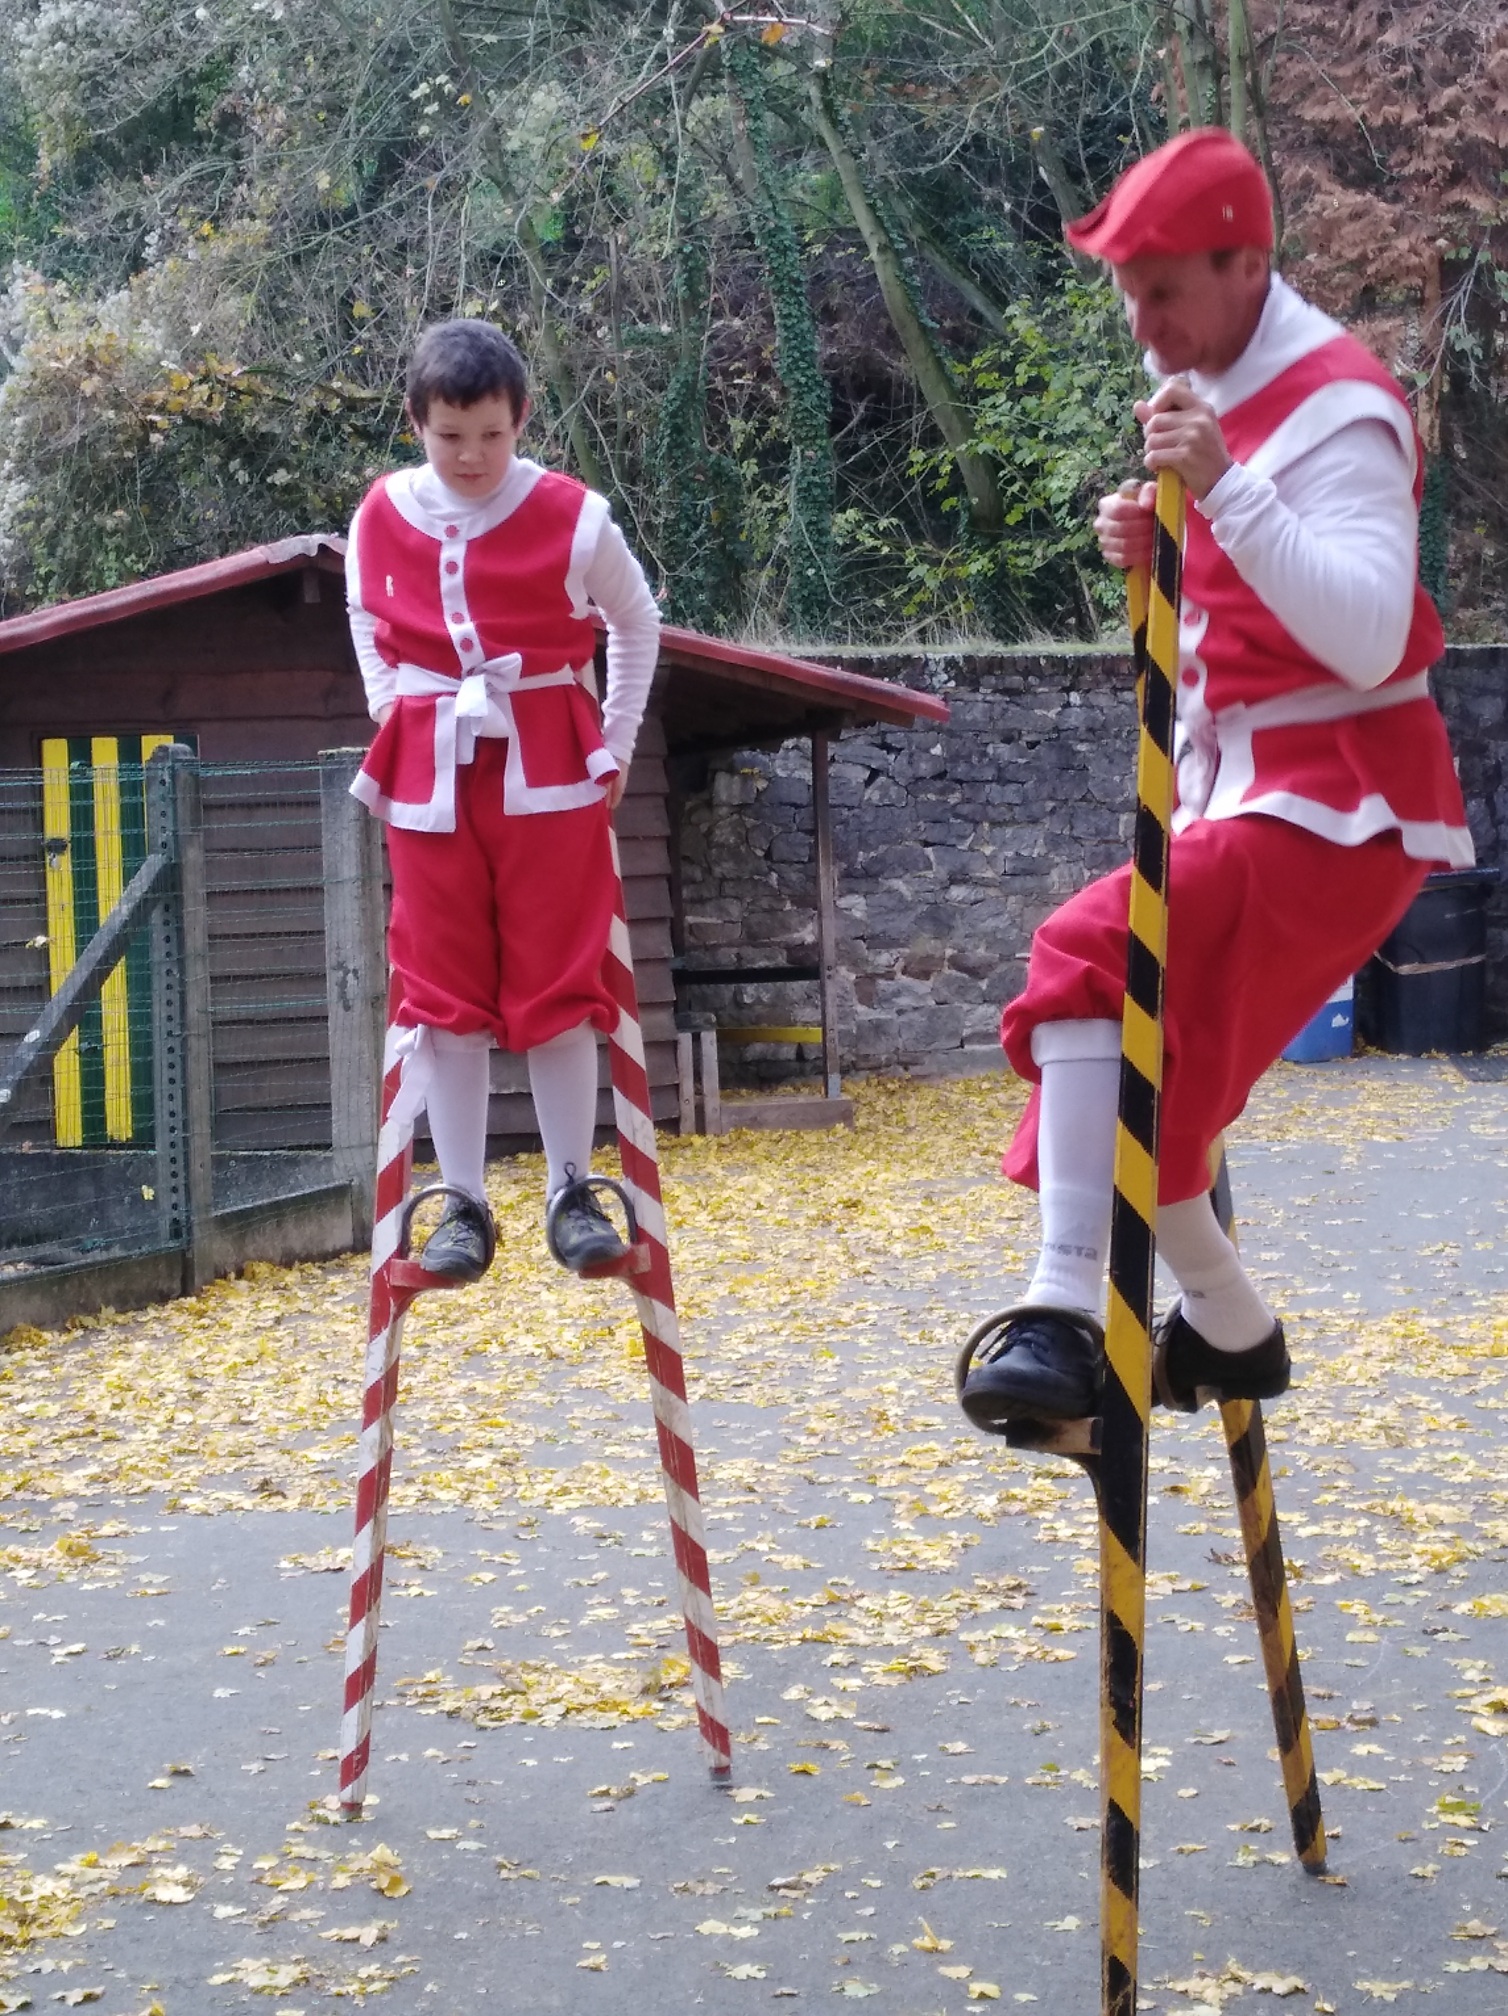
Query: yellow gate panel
x=62 y=950
x=104 y=756
x=94 y=835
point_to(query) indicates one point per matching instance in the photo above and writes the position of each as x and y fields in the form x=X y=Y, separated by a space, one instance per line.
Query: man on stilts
x=1315 y=782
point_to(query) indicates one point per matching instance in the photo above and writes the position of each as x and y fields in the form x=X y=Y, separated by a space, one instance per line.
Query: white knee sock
x=457 y=1106
x=563 y=1079
x=1218 y=1297
x=1080 y=1064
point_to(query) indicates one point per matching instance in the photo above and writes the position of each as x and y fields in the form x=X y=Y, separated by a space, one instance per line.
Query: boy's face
x=470 y=447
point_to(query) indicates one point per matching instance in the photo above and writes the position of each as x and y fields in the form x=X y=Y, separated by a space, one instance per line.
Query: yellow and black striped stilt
x=1127 y=1406
x=1112 y=1447
x=1246 y=1445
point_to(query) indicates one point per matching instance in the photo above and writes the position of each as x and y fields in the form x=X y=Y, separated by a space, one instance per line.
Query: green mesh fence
x=82 y=1136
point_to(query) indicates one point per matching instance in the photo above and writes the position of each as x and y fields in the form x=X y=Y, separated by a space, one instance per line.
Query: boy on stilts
x=1315 y=782
x=471 y=582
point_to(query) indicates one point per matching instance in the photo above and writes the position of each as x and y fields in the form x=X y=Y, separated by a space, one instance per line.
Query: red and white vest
x=1264 y=727
x=483 y=615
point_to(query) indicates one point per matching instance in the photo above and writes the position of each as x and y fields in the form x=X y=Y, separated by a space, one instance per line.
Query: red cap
x=1203 y=192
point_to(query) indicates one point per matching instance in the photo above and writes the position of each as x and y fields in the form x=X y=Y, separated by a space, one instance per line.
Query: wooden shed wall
x=264 y=871
x=260 y=673
x=263 y=677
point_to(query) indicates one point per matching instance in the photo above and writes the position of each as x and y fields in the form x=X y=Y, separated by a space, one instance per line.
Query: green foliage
x=121 y=463
x=1434 y=529
x=1053 y=405
x=267 y=201
x=1052 y=408
x=698 y=488
x=230 y=221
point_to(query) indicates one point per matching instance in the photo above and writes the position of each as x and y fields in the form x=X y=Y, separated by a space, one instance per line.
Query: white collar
x=419 y=496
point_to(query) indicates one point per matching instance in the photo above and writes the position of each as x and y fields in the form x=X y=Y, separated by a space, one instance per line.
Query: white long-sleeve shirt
x=1330 y=544
x=614 y=584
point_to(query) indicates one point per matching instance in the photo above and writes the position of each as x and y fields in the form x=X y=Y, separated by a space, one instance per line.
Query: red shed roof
x=768 y=682
x=161 y=591
x=700 y=675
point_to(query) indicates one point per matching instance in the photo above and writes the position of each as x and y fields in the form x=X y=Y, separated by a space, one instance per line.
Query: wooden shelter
x=248 y=659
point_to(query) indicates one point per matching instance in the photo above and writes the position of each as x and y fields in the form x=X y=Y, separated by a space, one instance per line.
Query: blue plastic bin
x=1330 y=1033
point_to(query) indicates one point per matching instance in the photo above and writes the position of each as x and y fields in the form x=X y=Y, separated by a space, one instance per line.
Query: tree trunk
x=1238 y=59
x=927 y=362
x=1188 y=25
x=808 y=400
x=1065 y=191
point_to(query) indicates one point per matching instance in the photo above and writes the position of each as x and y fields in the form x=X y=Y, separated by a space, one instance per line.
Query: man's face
x=1190 y=314
x=470 y=447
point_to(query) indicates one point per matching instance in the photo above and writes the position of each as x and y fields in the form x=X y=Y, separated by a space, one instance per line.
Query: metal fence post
x=183 y=1094
x=198 y=1074
x=167 y=1008
x=355 y=979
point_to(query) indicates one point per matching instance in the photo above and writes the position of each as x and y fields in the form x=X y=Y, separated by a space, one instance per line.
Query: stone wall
x=952 y=842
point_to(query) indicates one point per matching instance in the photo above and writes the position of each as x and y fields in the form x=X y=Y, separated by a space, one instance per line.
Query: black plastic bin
x=1427 y=983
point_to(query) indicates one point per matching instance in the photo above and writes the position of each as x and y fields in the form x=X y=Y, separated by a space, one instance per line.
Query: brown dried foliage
x=1391 y=127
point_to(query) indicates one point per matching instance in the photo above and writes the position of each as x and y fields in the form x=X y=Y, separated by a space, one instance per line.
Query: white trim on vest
x=472 y=521
x=592 y=517
x=1421 y=839
x=1322 y=415
x=1234 y=771
x=438 y=813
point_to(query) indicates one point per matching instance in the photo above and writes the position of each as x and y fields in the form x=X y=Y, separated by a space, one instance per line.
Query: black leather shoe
x=1039 y=1365
x=462 y=1244
x=581 y=1233
x=1182 y=1363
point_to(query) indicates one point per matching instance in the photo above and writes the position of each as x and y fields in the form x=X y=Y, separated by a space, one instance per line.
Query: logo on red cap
x=1203 y=192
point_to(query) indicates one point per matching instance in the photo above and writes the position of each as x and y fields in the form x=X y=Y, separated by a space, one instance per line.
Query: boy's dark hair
x=462 y=362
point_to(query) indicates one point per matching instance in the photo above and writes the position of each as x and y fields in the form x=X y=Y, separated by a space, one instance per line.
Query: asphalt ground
x=909 y=1614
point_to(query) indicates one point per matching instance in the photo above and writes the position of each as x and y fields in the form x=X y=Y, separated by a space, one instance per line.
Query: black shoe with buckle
x=1183 y=1365
x=579 y=1232
x=463 y=1243
x=1032 y=1364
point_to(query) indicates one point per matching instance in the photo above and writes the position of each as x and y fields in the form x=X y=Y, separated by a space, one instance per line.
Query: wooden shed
x=248 y=659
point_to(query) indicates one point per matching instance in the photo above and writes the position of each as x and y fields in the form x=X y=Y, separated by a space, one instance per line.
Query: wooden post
x=827 y=917
x=355 y=979
x=685 y=1071
x=712 y=1093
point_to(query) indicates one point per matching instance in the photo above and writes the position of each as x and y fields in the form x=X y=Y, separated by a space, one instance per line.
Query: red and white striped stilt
x=387 y=1308
x=396 y=1280
x=648 y=1274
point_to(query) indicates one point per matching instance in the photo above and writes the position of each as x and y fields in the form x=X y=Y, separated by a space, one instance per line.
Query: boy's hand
x=1123 y=525
x=1182 y=432
x=614 y=789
